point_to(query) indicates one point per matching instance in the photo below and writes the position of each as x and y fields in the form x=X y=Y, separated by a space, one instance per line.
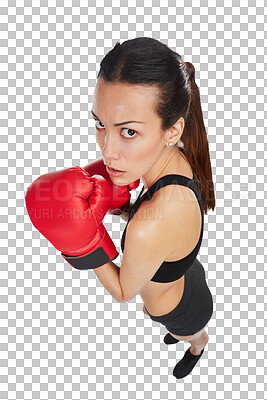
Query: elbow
x=123 y=300
x=119 y=299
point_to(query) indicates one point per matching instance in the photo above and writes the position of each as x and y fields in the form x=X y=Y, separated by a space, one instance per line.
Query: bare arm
x=109 y=276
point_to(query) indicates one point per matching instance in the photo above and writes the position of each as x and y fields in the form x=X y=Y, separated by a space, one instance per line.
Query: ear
x=175 y=132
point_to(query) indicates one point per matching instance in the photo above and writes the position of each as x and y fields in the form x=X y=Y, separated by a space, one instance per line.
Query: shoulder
x=175 y=195
x=172 y=201
x=172 y=218
x=145 y=233
x=169 y=206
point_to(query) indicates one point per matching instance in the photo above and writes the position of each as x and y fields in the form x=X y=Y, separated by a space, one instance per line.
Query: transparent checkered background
x=63 y=336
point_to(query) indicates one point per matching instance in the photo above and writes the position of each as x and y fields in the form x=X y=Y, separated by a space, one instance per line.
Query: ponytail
x=195 y=143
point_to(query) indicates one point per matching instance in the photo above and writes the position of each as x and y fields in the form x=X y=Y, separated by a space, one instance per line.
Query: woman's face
x=133 y=147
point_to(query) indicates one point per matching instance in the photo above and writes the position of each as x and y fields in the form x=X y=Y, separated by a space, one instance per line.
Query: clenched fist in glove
x=67 y=207
x=120 y=195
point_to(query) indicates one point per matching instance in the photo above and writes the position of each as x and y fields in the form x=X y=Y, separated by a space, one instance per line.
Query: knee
x=202 y=339
x=204 y=336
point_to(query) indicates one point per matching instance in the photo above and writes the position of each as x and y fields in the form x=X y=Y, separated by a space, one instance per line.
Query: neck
x=159 y=170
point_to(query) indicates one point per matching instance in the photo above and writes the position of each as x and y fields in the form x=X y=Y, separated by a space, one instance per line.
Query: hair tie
x=190 y=69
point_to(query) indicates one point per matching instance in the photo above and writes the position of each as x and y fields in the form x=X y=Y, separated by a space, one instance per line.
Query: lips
x=114 y=173
x=116 y=169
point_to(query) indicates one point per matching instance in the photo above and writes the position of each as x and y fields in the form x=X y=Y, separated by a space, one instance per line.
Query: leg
x=198 y=341
x=192 y=354
x=198 y=344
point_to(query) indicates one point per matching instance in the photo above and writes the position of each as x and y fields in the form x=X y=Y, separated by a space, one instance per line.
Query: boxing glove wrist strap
x=89 y=261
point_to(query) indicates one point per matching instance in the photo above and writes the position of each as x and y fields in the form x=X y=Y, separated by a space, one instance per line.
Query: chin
x=116 y=182
x=119 y=182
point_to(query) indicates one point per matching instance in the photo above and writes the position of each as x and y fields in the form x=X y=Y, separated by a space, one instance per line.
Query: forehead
x=124 y=97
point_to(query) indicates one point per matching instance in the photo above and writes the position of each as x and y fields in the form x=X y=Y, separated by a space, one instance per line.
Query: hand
x=120 y=195
x=67 y=207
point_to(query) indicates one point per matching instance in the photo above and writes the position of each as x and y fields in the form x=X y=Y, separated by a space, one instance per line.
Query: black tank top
x=170 y=271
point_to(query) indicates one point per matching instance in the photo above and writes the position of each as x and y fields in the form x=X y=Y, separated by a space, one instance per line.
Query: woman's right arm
x=125 y=213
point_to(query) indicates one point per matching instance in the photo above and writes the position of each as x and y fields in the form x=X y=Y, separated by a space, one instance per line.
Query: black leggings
x=195 y=308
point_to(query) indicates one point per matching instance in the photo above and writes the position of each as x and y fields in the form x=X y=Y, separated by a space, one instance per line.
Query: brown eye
x=101 y=127
x=131 y=132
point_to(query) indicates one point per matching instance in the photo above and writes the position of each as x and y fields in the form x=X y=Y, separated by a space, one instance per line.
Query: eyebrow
x=119 y=123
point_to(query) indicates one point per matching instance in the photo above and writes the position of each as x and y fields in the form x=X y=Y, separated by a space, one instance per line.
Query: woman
x=145 y=102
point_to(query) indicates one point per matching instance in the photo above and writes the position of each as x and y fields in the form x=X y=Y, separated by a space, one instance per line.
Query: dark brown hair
x=146 y=61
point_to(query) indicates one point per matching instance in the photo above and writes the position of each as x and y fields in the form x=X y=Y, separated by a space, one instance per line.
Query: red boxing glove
x=120 y=195
x=67 y=207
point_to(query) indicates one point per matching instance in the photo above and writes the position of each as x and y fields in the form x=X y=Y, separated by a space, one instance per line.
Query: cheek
x=100 y=138
x=147 y=155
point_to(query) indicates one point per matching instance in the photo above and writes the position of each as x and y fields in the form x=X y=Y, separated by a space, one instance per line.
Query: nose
x=111 y=147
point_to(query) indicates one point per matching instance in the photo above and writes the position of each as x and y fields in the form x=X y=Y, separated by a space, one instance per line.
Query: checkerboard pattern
x=62 y=335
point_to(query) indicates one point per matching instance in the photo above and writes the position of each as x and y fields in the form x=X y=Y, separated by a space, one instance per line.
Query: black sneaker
x=169 y=339
x=186 y=364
